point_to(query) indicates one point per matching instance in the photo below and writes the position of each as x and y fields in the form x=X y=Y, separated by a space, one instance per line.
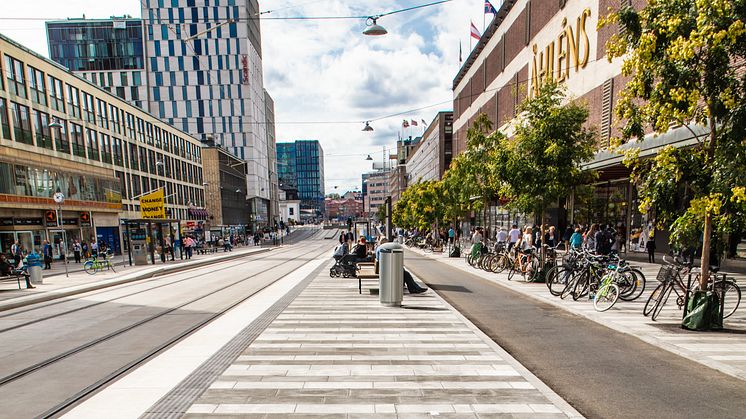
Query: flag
x=460 y=53
x=475 y=32
x=489 y=8
x=405 y=124
x=414 y=123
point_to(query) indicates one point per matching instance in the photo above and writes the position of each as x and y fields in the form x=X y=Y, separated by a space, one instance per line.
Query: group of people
x=359 y=253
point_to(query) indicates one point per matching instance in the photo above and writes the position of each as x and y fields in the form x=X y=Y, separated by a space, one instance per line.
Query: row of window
x=133 y=185
x=88 y=143
x=83 y=106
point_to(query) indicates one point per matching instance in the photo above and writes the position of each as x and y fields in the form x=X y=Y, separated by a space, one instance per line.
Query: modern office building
x=274 y=184
x=432 y=155
x=301 y=171
x=61 y=133
x=204 y=67
x=107 y=52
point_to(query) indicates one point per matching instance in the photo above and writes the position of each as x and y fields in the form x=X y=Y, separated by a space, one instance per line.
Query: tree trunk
x=707 y=231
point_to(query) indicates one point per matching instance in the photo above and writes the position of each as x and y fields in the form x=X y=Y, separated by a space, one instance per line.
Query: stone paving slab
x=724 y=351
x=335 y=353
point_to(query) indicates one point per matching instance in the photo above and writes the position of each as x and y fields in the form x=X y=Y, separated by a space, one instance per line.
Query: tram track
x=209 y=268
x=29 y=371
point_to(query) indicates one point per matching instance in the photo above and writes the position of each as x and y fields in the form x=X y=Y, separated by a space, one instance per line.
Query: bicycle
x=526 y=263
x=670 y=278
x=723 y=286
x=93 y=265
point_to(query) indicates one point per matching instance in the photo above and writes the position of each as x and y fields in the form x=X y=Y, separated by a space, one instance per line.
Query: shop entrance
x=57 y=239
x=7 y=238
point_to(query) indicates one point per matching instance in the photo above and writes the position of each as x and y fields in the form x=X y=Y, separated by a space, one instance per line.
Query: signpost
x=59 y=198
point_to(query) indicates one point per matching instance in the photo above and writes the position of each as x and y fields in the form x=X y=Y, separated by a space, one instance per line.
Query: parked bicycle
x=98 y=264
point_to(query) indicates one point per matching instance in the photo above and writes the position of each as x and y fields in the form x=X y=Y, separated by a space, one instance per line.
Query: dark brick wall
x=490 y=108
x=541 y=12
x=477 y=86
x=515 y=38
x=592 y=100
x=494 y=63
x=505 y=105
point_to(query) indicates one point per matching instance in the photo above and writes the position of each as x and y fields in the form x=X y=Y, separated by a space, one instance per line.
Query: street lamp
x=369 y=158
x=367 y=127
x=373 y=28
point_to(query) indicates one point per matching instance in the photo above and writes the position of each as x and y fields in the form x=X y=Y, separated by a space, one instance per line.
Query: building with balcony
x=61 y=133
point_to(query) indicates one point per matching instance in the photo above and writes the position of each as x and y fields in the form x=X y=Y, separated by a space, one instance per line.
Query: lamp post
x=59 y=199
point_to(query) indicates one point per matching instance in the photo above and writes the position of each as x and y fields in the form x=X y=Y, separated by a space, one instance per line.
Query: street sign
x=59 y=197
x=50 y=216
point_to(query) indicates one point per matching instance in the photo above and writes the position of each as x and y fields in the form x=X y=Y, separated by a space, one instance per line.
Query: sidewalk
x=58 y=285
x=724 y=351
x=326 y=350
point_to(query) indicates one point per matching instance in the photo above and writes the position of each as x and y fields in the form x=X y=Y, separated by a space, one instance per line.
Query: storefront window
x=6 y=178
x=4 y=123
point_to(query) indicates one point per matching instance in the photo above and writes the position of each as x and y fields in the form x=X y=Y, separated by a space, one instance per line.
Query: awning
x=198 y=213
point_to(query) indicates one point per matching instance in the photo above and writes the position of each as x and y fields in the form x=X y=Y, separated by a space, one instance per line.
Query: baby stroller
x=344 y=265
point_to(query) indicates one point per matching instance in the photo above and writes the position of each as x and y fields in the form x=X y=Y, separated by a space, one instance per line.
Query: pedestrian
x=650 y=246
x=188 y=245
x=551 y=238
x=17 y=252
x=576 y=240
x=46 y=251
x=590 y=238
x=513 y=235
x=502 y=238
x=622 y=238
x=451 y=235
x=526 y=243
x=94 y=248
x=84 y=247
x=7 y=270
x=76 y=251
x=569 y=231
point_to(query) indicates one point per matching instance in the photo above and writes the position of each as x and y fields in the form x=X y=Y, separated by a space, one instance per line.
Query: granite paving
x=335 y=353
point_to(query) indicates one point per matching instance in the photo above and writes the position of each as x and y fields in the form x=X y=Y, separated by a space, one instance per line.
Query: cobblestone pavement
x=335 y=353
x=724 y=350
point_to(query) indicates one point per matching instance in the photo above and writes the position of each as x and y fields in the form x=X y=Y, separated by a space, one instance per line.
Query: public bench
x=15 y=275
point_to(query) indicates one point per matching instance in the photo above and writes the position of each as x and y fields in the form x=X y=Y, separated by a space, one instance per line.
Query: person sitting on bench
x=6 y=269
x=360 y=251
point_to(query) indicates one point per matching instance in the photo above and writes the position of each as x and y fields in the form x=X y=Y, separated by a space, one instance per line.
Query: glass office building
x=106 y=52
x=96 y=45
x=301 y=168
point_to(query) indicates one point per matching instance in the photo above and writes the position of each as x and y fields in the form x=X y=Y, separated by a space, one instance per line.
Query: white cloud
x=326 y=70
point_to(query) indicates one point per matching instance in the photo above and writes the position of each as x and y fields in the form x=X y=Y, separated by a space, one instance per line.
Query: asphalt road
x=70 y=344
x=600 y=372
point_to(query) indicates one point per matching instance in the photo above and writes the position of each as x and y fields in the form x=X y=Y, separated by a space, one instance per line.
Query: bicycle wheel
x=533 y=272
x=639 y=283
x=550 y=276
x=655 y=296
x=570 y=286
x=511 y=269
x=606 y=297
x=557 y=279
x=581 y=287
x=89 y=267
x=731 y=299
x=662 y=302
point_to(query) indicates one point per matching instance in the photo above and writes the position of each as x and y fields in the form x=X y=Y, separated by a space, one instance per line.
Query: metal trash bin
x=33 y=260
x=391 y=277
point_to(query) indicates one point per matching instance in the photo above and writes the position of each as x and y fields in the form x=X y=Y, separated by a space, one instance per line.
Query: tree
x=542 y=162
x=686 y=61
x=420 y=206
x=333 y=196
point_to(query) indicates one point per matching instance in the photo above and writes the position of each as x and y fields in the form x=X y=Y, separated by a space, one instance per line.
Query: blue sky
x=327 y=72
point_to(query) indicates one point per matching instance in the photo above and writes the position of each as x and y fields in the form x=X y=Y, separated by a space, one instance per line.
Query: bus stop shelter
x=153 y=232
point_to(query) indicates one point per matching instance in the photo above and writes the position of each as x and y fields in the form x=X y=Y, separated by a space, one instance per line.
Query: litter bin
x=391 y=277
x=33 y=261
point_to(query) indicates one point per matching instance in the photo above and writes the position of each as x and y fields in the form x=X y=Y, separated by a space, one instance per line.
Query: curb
x=651 y=340
x=146 y=274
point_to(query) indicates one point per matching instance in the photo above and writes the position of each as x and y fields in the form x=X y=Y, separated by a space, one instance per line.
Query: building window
x=4 y=124
x=21 y=123
x=103 y=114
x=37 y=86
x=14 y=73
x=43 y=132
x=117 y=152
x=133 y=157
x=92 y=145
x=130 y=126
x=60 y=139
x=105 y=143
x=56 y=99
x=143 y=160
x=88 y=112
x=115 y=122
x=76 y=135
x=73 y=101
x=140 y=130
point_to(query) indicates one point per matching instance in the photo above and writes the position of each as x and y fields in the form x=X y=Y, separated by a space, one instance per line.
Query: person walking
x=94 y=248
x=76 y=251
x=188 y=245
x=17 y=252
x=590 y=238
x=46 y=251
x=514 y=234
x=451 y=235
x=650 y=246
x=576 y=240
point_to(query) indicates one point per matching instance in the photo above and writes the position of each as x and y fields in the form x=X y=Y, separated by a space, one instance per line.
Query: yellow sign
x=151 y=205
x=570 y=50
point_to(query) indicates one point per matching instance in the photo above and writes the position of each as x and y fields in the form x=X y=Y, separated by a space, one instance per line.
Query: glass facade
x=97 y=45
x=301 y=164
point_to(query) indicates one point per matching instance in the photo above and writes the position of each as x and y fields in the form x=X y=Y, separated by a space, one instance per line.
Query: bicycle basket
x=666 y=273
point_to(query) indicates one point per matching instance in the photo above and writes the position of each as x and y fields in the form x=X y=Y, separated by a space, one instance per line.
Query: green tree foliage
x=542 y=162
x=420 y=206
x=686 y=60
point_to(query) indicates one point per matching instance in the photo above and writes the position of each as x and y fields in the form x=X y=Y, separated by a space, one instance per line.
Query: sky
x=325 y=76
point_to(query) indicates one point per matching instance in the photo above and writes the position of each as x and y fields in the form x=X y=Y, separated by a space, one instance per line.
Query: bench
x=15 y=275
x=365 y=271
